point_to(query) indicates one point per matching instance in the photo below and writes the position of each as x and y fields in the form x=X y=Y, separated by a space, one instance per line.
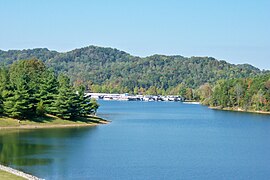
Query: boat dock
x=128 y=97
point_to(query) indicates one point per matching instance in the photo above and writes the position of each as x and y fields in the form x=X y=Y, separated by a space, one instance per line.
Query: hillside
x=97 y=65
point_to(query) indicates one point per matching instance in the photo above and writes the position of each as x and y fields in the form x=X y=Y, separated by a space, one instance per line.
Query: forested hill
x=118 y=69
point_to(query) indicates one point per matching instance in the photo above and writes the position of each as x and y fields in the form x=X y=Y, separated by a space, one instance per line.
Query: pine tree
x=17 y=103
x=1 y=103
x=94 y=106
x=3 y=85
x=40 y=110
x=84 y=102
x=25 y=79
x=28 y=89
x=48 y=91
x=65 y=104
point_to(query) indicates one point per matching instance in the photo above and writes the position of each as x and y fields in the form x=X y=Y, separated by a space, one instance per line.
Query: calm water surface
x=147 y=140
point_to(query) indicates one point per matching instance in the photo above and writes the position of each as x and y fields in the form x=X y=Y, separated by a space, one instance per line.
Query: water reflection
x=31 y=147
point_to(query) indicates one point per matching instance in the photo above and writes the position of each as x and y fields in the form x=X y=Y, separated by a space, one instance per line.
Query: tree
x=48 y=90
x=136 y=90
x=238 y=91
x=62 y=106
x=189 y=94
x=28 y=72
x=28 y=89
x=40 y=111
x=4 y=81
x=152 y=90
x=267 y=85
x=245 y=93
x=93 y=106
x=205 y=92
x=182 y=90
x=16 y=100
x=106 y=66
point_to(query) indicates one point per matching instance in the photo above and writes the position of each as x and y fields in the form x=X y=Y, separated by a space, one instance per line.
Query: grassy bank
x=49 y=121
x=240 y=110
x=9 y=176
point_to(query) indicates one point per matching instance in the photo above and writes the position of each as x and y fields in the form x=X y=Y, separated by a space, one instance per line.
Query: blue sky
x=237 y=31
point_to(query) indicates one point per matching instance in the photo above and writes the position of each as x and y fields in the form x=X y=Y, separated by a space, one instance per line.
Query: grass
x=8 y=176
x=50 y=121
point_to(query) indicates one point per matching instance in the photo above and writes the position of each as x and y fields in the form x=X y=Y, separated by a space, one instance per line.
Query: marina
x=129 y=97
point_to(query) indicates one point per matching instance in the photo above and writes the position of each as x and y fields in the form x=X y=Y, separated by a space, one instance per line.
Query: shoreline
x=50 y=126
x=50 y=122
x=191 y=102
x=18 y=173
x=239 y=110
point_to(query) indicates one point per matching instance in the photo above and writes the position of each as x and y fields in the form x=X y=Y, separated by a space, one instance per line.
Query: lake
x=147 y=140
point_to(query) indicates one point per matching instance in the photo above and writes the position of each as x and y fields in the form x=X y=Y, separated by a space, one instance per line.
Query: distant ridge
x=99 y=65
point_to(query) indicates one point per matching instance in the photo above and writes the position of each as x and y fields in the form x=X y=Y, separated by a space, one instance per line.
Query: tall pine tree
x=48 y=90
x=65 y=104
x=28 y=89
x=16 y=102
x=3 y=85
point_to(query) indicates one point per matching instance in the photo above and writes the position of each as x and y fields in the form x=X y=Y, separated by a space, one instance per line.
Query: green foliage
x=48 y=89
x=108 y=70
x=40 y=111
x=245 y=93
x=113 y=71
x=17 y=103
x=3 y=87
x=28 y=89
x=64 y=101
x=93 y=106
x=205 y=93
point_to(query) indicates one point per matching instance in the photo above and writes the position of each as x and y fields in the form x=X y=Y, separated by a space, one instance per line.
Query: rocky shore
x=239 y=110
x=18 y=173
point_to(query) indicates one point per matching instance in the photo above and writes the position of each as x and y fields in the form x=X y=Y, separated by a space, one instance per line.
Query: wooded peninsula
x=30 y=91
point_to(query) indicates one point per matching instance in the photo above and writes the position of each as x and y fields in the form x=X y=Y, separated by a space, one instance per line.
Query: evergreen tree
x=1 y=104
x=16 y=102
x=87 y=105
x=28 y=89
x=48 y=91
x=93 y=106
x=30 y=72
x=3 y=85
x=65 y=104
x=83 y=101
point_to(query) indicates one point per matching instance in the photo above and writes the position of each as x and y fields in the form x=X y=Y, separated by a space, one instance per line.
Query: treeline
x=248 y=94
x=28 y=89
x=110 y=70
x=180 y=89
